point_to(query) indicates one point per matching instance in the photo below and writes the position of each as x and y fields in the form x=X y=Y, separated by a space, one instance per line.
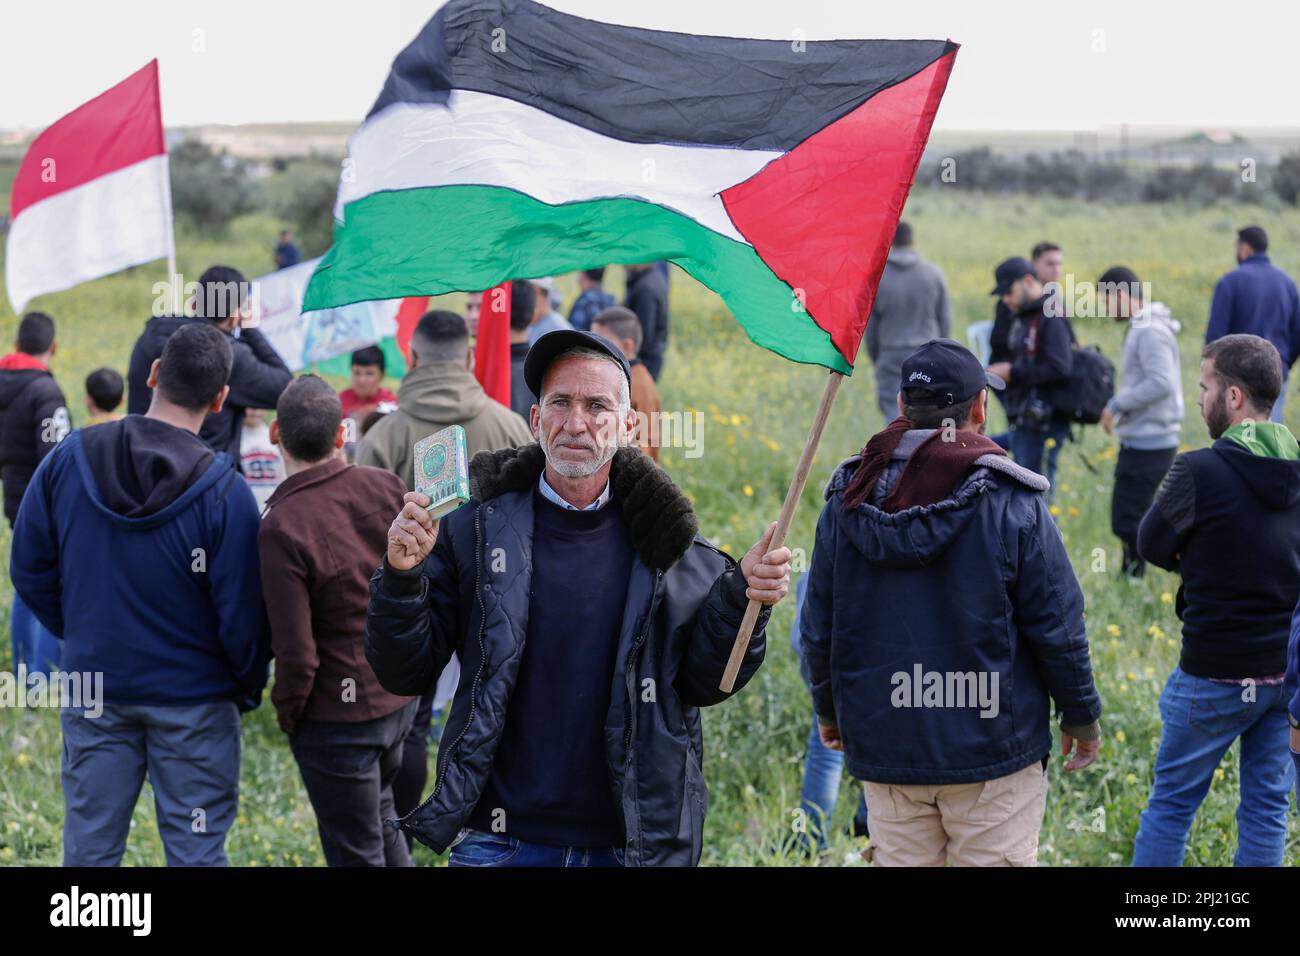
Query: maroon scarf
x=928 y=476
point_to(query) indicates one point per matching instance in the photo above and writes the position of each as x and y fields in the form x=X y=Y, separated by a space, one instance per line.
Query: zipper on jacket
x=631 y=658
x=473 y=698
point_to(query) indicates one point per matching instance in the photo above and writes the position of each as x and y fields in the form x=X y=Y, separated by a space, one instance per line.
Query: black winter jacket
x=976 y=585
x=33 y=420
x=1228 y=521
x=1040 y=346
x=257 y=378
x=685 y=601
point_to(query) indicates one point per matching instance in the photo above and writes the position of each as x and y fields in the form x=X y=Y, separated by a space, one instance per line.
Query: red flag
x=409 y=314
x=92 y=195
x=492 y=353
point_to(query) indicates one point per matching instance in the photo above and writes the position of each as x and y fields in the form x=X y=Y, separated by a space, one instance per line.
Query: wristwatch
x=1295 y=724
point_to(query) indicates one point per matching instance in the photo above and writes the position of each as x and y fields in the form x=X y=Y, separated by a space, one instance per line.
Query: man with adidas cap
x=941 y=620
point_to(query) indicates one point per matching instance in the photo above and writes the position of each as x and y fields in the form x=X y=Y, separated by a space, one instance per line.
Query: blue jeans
x=822 y=770
x=1201 y=719
x=480 y=848
x=1028 y=444
x=191 y=754
x=1280 y=404
x=33 y=644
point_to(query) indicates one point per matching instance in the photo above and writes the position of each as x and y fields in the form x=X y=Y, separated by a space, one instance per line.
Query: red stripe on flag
x=823 y=215
x=492 y=352
x=409 y=314
x=116 y=129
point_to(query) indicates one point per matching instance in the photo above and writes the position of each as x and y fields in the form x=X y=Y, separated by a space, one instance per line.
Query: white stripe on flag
x=92 y=230
x=481 y=139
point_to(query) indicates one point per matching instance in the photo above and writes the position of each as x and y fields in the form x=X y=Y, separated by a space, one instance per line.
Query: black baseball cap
x=948 y=369
x=547 y=348
x=1008 y=272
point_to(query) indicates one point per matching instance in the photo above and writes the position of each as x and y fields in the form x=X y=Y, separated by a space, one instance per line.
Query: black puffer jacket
x=257 y=377
x=685 y=600
x=33 y=420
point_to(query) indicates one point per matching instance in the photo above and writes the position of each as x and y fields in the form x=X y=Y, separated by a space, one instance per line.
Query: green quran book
x=442 y=470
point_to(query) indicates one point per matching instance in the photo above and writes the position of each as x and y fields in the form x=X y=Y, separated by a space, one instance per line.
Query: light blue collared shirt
x=550 y=494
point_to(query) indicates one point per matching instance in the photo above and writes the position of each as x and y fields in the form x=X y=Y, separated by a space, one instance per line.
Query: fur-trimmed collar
x=660 y=521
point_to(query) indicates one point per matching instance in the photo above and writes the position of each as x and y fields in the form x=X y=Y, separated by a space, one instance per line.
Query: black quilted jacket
x=685 y=600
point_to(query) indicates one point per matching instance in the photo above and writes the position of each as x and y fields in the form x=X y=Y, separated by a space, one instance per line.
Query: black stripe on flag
x=649 y=86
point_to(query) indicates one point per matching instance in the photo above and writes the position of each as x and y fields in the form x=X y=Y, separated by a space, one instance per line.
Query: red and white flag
x=93 y=194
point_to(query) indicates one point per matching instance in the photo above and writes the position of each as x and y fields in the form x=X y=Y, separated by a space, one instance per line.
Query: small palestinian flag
x=513 y=141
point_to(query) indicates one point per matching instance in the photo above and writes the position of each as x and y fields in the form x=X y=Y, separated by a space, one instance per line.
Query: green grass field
x=757 y=408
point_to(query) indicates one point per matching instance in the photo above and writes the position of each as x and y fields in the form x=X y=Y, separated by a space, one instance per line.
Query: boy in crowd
x=366 y=394
x=104 y=391
x=259 y=458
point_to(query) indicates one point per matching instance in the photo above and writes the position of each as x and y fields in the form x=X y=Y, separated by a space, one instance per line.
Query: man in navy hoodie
x=1227 y=519
x=942 y=618
x=1258 y=298
x=137 y=545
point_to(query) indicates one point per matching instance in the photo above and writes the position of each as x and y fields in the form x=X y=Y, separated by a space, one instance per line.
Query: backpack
x=1091 y=386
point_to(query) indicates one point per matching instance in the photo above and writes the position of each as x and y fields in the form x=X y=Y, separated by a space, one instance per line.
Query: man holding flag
x=778 y=174
x=594 y=621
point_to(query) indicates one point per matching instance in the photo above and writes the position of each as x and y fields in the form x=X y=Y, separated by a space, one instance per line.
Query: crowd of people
x=571 y=620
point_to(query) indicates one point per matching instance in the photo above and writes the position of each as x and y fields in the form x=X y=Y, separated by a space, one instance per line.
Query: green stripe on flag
x=428 y=241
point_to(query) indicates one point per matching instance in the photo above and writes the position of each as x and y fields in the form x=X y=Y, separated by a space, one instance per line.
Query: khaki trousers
x=994 y=823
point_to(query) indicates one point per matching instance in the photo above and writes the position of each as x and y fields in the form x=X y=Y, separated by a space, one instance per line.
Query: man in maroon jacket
x=324 y=533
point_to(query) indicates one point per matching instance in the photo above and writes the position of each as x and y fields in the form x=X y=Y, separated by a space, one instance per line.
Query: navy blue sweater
x=137 y=546
x=550 y=776
x=1259 y=298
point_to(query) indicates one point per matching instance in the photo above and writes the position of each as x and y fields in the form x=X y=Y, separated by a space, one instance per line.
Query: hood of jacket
x=1157 y=313
x=17 y=371
x=660 y=521
x=903 y=257
x=917 y=537
x=441 y=392
x=1274 y=481
x=144 y=470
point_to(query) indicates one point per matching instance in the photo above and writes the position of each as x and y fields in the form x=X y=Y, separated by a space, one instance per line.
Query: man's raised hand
x=412 y=534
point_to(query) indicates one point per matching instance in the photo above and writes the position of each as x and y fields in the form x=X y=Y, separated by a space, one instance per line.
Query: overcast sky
x=1023 y=65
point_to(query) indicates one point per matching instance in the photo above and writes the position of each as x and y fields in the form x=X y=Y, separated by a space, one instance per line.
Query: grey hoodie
x=1149 y=404
x=911 y=306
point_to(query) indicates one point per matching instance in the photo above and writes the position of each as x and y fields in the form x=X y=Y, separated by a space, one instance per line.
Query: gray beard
x=577 y=469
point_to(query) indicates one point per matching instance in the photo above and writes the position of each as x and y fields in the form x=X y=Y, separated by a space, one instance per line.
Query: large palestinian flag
x=512 y=141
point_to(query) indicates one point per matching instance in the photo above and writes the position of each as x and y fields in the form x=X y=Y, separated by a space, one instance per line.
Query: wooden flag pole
x=783 y=524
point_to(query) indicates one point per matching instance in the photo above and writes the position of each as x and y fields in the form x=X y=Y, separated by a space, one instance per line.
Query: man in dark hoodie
x=1227 y=518
x=1040 y=346
x=257 y=374
x=33 y=420
x=137 y=545
x=910 y=308
x=942 y=616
